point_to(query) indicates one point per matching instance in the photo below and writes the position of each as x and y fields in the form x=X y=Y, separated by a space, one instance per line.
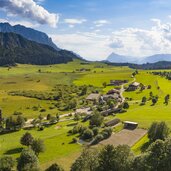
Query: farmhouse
x=84 y=110
x=93 y=96
x=133 y=86
x=112 y=122
x=110 y=111
x=111 y=96
x=130 y=125
x=117 y=82
x=113 y=91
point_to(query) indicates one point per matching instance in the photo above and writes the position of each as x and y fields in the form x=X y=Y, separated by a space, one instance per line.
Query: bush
x=55 y=167
x=97 y=139
x=87 y=134
x=74 y=140
x=96 y=119
x=6 y=163
x=107 y=132
x=95 y=130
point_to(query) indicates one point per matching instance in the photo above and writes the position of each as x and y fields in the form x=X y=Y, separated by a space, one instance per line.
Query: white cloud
x=29 y=9
x=73 y=21
x=25 y=23
x=100 y=23
x=89 y=45
x=129 y=41
x=141 y=42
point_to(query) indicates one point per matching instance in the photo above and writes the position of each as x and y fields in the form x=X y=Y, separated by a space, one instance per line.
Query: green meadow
x=43 y=78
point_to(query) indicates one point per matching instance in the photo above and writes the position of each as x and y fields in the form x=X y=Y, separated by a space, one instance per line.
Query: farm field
x=43 y=79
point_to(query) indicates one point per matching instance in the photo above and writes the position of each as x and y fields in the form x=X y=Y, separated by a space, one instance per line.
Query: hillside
x=16 y=49
x=28 y=33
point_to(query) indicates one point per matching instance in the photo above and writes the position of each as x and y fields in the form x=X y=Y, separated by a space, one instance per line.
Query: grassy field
x=27 y=77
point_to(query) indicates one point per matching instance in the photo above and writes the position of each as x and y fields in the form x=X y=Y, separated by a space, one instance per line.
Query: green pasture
x=58 y=144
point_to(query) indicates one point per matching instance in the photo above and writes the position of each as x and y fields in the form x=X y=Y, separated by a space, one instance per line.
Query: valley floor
x=59 y=146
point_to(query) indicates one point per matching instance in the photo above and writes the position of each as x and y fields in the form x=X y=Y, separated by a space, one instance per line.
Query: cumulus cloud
x=21 y=22
x=29 y=9
x=141 y=42
x=128 y=41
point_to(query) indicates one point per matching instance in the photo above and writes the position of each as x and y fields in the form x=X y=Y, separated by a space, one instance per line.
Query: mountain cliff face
x=16 y=49
x=28 y=33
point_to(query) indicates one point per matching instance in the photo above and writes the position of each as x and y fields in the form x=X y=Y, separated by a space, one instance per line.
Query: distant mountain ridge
x=115 y=58
x=16 y=49
x=28 y=33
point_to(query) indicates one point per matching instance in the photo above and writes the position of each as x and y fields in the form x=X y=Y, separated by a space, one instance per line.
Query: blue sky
x=96 y=28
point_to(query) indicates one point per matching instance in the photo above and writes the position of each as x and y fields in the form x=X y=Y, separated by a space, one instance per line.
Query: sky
x=96 y=28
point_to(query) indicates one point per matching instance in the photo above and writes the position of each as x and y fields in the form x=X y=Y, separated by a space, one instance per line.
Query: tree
x=55 y=167
x=144 y=100
x=83 y=91
x=154 y=100
x=20 y=121
x=115 y=158
x=27 y=161
x=87 y=161
x=6 y=163
x=26 y=139
x=126 y=105
x=157 y=156
x=48 y=117
x=166 y=99
x=104 y=84
x=158 y=130
x=96 y=119
x=87 y=134
x=38 y=146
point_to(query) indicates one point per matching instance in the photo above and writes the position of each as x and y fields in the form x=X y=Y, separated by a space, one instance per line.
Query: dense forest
x=147 y=66
x=16 y=49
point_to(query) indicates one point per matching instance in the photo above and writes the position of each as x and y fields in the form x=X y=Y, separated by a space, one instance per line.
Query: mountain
x=16 y=49
x=157 y=58
x=113 y=57
x=28 y=33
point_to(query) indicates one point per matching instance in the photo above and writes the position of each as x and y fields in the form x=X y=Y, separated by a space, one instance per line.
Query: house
x=110 y=111
x=133 y=86
x=130 y=125
x=84 y=110
x=111 y=96
x=93 y=96
x=117 y=82
x=113 y=91
x=112 y=122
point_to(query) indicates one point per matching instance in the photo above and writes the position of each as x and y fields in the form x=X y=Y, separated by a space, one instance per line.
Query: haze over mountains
x=115 y=58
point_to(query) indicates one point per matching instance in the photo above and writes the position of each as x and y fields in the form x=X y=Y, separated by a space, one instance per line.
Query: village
x=108 y=104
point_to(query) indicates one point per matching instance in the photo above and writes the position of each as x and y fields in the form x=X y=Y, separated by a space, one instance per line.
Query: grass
x=58 y=144
x=140 y=145
x=27 y=77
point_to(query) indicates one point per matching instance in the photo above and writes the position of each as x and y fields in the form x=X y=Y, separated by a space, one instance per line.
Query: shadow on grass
x=145 y=146
x=13 y=151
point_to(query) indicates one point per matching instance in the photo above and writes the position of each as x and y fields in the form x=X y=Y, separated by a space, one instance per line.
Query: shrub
x=95 y=130
x=97 y=139
x=87 y=134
